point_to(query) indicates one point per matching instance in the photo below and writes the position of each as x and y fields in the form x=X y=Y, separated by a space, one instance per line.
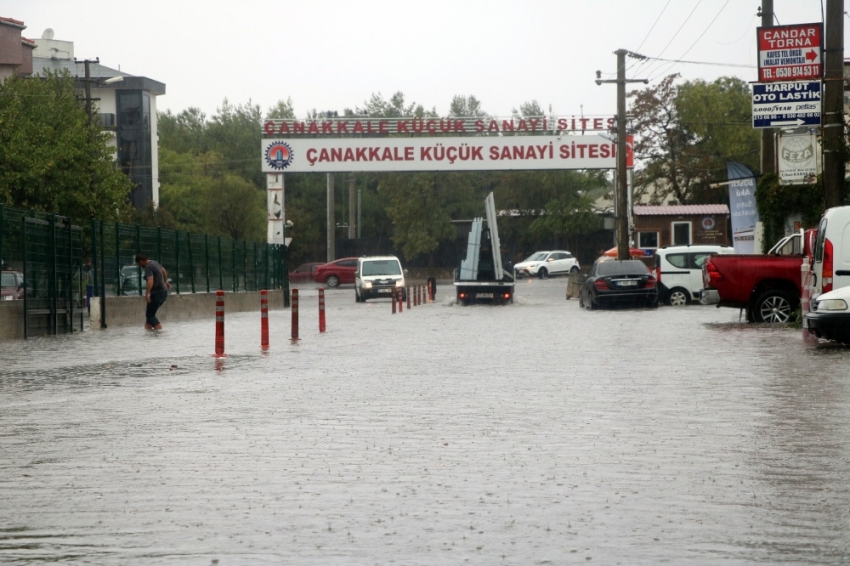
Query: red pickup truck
x=768 y=286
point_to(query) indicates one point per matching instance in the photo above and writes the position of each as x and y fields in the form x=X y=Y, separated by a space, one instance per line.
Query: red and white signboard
x=790 y=53
x=343 y=155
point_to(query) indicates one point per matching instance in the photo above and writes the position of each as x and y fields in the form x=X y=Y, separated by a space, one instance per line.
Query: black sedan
x=830 y=316
x=626 y=283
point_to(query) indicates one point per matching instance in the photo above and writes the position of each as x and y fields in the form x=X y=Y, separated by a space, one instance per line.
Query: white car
x=544 y=264
x=678 y=270
x=830 y=316
x=378 y=276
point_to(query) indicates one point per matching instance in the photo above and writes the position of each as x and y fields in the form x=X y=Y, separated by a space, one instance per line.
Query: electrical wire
x=649 y=32
x=697 y=40
x=681 y=27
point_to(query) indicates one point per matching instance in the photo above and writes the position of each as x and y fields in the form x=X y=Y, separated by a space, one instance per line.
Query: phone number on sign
x=791 y=72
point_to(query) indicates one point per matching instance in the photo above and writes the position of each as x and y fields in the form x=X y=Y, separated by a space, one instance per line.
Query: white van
x=678 y=270
x=832 y=251
x=378 y=276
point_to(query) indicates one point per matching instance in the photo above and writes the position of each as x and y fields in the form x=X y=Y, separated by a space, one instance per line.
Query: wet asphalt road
x=536 y=433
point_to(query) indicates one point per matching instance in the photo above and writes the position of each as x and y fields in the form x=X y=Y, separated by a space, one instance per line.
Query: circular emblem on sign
x=708 y=223
x=279 y=155
x=798 y=150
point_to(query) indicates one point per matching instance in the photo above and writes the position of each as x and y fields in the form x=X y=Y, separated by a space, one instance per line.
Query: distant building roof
x=96 y=70
x=682 y=209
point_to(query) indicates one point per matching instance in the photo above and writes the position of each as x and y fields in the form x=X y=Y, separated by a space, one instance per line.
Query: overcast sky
x=333 y=54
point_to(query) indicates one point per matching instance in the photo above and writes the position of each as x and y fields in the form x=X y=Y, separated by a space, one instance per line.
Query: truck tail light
x=651 y=282
x=658 y=273
x=714 y=276
x=826 y=276
x=600 y=285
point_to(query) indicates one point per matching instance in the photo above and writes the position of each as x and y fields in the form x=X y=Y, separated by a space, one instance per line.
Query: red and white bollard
x=419 y=294
x=392 y=300
x=400 y=299
x=219 y=325
x=294 y=315
x=264 y=320
x=321 y=310
x=408 y=297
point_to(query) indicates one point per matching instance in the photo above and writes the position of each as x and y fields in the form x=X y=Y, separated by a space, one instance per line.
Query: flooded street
x=536 y=433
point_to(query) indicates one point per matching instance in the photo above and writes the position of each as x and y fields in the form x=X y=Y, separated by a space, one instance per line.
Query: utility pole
x=768 y=143
x=352 y=212
x=87 y=88
x=331 y=220
x=833 y=105
x=622 y=174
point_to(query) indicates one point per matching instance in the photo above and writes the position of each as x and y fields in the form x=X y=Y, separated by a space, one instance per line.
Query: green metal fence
x=196 y=263
x=52 y=254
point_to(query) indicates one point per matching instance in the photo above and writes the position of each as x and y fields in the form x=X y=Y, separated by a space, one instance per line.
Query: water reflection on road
x=530 y=434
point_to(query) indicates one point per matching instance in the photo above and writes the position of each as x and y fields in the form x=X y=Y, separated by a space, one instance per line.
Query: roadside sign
x=784 y=105
x=790 y=53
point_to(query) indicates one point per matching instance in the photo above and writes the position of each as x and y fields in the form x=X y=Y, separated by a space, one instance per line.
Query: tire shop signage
x=343 y=155
x=790 y=53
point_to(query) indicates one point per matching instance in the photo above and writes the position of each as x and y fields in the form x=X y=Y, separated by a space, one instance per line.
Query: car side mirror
x=551 y=259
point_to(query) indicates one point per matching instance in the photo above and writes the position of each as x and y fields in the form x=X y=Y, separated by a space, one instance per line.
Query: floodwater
x=536 y=433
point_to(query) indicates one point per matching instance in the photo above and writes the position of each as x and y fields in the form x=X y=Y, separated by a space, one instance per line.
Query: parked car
x=678 y=270
x=830 y=316
x=378 y=276
x=130 y=277
x=336 y=272
x=304 y=273
x=831 y=265
x=619 y=282
x=767 y=286
x=544 y=264
x=11 y=285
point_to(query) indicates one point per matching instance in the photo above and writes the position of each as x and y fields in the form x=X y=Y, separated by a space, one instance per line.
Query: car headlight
x=399 y=283
x=367 y=284
x=832 y=305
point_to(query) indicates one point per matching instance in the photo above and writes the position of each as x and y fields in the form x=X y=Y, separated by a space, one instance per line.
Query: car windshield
x=381 y=267
x=622 y=268
x=539 y=256
x=8 y=280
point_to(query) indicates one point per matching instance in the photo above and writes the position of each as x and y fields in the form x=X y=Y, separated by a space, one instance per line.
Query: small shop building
x=681 y=225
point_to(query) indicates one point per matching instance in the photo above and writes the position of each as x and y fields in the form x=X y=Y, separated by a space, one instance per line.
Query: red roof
x=681 y=210
x=26 y=41
x=11 y=21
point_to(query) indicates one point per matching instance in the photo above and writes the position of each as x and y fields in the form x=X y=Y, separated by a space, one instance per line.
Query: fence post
x=191 y=263
x=284 y=267
x=207 y=259
x=70 y=287
x=177 y=259
x=256 y=279
x=117 y=262
x=220 y=267
x=245 y=264
x=94 y=270
x=26 y=275
x=138 y=251
x=159 y=245
x=233 y=265
x=102 y=276
x=52 y=287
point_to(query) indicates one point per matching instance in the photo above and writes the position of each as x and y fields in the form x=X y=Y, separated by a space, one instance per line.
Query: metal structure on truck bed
x=481 y=275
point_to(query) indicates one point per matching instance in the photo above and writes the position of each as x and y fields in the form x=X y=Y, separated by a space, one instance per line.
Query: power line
x=700 y=36
x=703 y=63
x=681 y=27
x=650 y=30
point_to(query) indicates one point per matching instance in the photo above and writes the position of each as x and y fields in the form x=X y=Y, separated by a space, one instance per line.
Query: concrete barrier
x=129 y=311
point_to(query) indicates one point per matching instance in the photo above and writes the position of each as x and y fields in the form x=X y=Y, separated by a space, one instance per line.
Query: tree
x=466 y=106
x=52 y=158
x=528 y=109
x=686 y=133
x=282 y=110
x=395 y=107
x=235 y=208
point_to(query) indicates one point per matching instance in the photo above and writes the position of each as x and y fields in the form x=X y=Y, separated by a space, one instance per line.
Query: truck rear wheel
x=773 y=305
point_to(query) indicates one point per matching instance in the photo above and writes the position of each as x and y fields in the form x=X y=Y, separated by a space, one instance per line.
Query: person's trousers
x=157 y=299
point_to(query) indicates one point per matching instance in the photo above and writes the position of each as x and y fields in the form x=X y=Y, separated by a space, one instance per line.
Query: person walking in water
x=157 y=286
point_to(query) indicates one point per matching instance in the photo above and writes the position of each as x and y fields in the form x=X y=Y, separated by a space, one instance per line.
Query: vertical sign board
x=742 y=205
x=790 y=53
x=274 y=184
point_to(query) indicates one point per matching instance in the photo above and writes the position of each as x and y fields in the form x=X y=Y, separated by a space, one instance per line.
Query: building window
x=133 y=136
x=681 y=233
x=648 y=240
